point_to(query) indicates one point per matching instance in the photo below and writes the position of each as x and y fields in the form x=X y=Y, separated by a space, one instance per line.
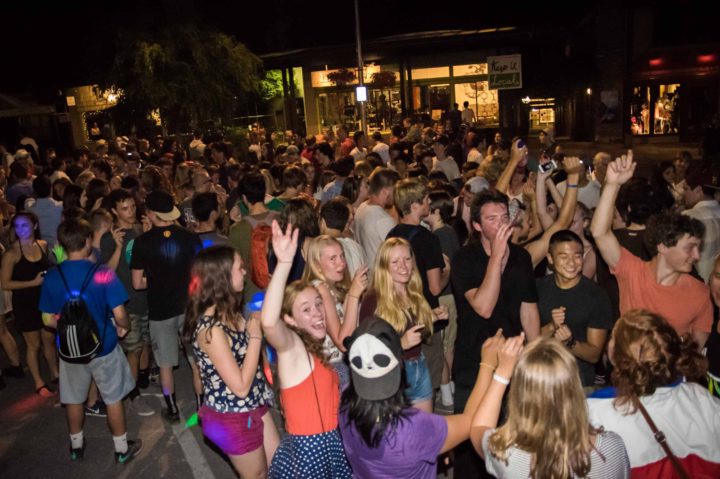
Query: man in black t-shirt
x=494 y=288
x=573 y=309
x=160 y=263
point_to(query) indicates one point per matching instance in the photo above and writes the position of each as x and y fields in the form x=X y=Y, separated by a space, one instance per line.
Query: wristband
x=487 y=366
x=501 y=379
x=285 y=262
x=256 y=337
x=570 y=343
x=571 y=186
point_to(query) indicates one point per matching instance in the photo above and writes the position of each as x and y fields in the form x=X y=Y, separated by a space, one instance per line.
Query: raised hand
x=284 y=244
x=499 y=244
x=118 y=236
x=359 y=282
x=572 y=165
x=621 y=170
x=490 y=348
x=509 y=354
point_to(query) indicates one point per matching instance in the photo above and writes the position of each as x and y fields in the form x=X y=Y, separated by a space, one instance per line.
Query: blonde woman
x=397 y=297
x=547 y=434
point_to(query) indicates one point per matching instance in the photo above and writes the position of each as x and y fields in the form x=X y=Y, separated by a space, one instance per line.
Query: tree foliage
x=188 y=73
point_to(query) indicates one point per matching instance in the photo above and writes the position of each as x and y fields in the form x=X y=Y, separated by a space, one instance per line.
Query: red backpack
x=259 y=247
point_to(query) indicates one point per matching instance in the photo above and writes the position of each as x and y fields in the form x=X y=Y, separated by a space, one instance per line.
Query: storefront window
x=433 y=100
x=666 y=110
x=640 y=111
x=483 y=101
x=383 y=108
x=337 y=108
x=654 y=109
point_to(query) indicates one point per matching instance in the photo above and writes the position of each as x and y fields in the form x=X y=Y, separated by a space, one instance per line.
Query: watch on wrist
x=570 y=343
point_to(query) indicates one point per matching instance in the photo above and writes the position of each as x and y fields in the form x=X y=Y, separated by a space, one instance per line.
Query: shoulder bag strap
x=661 y=439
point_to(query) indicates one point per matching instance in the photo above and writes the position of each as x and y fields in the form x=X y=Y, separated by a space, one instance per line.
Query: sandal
x=45 y=391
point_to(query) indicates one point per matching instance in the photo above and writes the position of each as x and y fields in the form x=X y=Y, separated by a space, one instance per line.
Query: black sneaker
x=77 y=454
x=98 y=409
x=172 y=416
x=134 y=448
x=143 y=381
x=14 y=372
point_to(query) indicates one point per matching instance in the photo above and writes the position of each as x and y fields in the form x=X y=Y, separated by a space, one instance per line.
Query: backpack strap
x=86 y=281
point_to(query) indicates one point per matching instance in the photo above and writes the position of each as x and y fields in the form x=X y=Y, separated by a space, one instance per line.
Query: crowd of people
x=374 y=307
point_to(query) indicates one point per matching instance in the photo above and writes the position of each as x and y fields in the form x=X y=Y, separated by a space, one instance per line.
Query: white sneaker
x=446 y=396
x=141 y=407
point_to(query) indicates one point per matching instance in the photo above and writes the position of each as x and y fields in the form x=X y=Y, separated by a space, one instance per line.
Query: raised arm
x=284 y=247
x=516 y=156
x=541 y=197
x=459 y=424
x=531 y=202
x=484 y=298
x=618 y=173
x=538 y=249
x=487 y=414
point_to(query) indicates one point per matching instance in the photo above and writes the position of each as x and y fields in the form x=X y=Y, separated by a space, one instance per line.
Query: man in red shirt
x=662 y=285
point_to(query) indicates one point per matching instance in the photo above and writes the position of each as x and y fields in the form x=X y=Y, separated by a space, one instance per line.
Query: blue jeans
x=418 y=378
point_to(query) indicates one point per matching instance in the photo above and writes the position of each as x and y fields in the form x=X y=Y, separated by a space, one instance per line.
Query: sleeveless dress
x=26 y=301
x=313 y=447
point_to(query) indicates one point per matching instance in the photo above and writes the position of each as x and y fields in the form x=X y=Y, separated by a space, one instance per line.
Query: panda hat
x=375 y=356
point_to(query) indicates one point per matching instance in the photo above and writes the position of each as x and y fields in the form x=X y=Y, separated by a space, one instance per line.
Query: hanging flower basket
x=342 y=77
x=384 y=79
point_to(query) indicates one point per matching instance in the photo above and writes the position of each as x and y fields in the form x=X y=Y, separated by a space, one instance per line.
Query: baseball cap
x=477 y=184
x=162 y=204
x=375 y=356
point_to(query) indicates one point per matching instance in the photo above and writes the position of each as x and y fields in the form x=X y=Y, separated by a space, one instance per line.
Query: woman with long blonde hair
x=397 y=297
x=547 y=434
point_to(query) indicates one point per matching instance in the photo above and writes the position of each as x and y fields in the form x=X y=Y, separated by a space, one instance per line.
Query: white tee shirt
x=383 y=150
x=372 y=224
x=447 y=166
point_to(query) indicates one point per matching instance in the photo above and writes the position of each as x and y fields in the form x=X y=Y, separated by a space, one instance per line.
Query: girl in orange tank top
x=293 y=319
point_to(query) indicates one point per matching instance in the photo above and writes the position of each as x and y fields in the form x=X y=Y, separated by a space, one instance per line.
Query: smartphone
x=549 y=166
x=521 y=143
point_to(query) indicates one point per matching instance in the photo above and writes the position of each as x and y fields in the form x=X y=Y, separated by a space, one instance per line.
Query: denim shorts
x=418 y=378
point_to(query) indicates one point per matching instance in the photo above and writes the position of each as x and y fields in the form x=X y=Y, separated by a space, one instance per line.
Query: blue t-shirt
x=409 y=450
x=103 y=293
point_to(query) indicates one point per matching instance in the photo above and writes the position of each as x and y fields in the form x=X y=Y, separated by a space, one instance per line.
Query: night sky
x=67 y=43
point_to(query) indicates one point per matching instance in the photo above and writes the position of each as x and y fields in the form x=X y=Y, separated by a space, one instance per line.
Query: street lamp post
x=361 y=74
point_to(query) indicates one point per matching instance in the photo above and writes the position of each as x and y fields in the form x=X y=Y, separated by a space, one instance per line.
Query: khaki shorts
x=450 y=332
x=139 y=334
x=110 y=372
x=166 y=342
